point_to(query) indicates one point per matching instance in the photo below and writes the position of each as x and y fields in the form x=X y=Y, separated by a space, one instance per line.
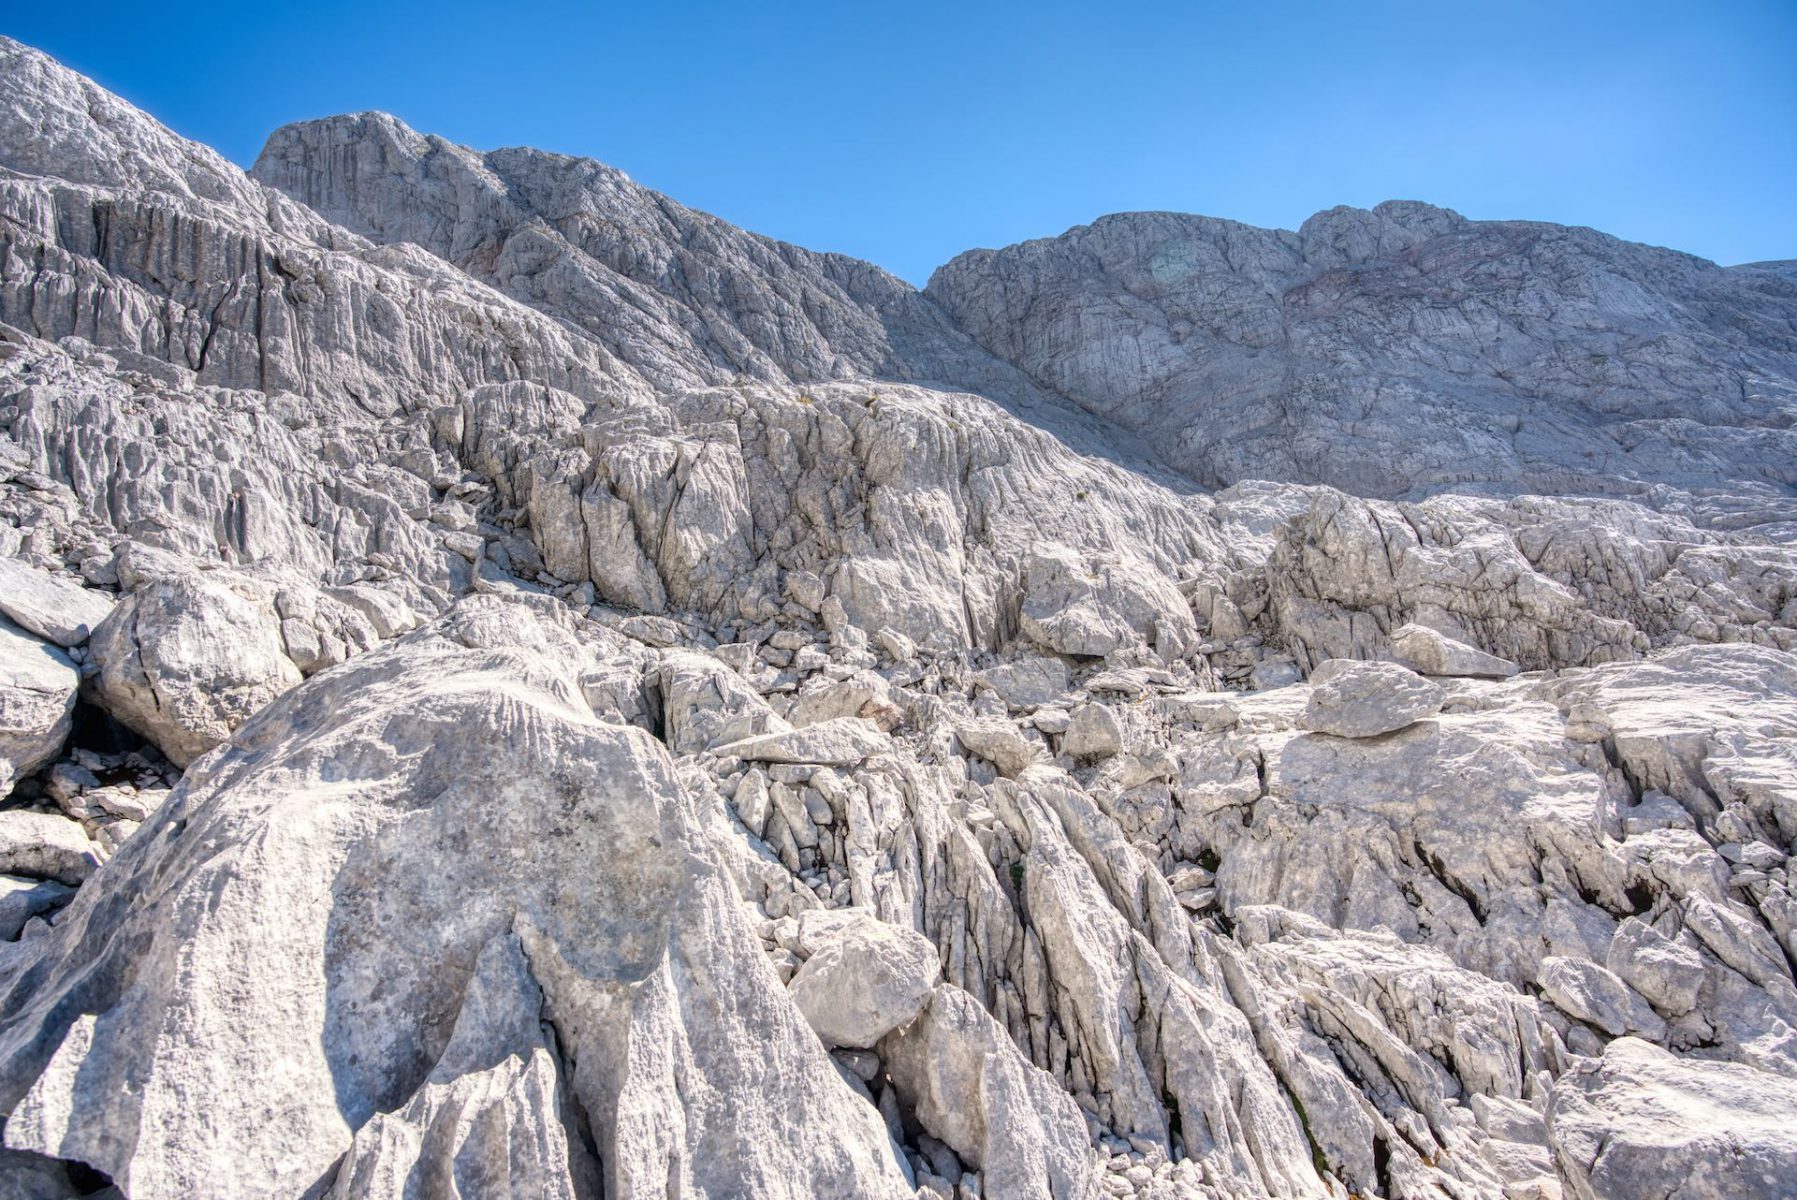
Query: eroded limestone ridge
x=511 y=687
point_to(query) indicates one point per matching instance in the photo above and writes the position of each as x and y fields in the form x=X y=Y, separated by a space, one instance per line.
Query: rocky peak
x=457 y=736
x=57 y=124
x=679 y=294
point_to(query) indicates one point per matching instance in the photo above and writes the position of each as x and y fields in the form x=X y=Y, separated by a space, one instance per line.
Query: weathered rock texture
x=510 y=687
x=1407 y=350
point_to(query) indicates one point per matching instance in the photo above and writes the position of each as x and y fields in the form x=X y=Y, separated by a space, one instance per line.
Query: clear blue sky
x=905 y=132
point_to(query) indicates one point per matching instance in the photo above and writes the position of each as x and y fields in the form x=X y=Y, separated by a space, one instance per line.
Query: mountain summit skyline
x=512 y=687
x=904 y=136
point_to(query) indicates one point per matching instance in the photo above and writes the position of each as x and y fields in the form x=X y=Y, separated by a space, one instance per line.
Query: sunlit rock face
x=511 y=687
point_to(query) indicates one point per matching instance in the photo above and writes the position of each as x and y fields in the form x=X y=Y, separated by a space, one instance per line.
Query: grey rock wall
x=523 y=689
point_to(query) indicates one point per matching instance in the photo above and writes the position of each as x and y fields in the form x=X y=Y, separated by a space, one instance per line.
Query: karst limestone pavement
x=511 y=687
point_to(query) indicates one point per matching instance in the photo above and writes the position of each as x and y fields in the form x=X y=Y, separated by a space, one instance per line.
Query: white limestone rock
x=1587 y=992
x=864 y=979
x=1668 y=972
x=488 y=802
x=842 y=742
x=1029 y=682
x=1428 y=652
x=1640 y=1121
x=1092 y=733
x=1329 y=355
x=493 y=1114
x=1358 y=700
x=706 y=704
x=999 y=743
x=1091 y=605
x=970 y=1087
x=189 y=657
x=45 y=846
x=37 y=697
x=53 y=608
x=22 y=899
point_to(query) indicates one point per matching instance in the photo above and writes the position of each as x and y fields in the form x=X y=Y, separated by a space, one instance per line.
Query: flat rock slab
x=56 y=609
x=1366 y=699
x=1641 y=1121
x=1429 y=652
x=842 y=742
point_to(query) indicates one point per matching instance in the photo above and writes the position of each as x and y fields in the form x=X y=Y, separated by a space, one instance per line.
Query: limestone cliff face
x=513 y=687
x=1406 y=350
x=684 y=298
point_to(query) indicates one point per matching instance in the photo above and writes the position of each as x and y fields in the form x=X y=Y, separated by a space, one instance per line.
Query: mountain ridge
x=596 y=704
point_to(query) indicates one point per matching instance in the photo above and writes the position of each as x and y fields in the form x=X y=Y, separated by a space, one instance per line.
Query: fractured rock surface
x=513 y=687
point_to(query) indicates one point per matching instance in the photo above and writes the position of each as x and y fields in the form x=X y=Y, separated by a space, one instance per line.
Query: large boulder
x=1641 y=1121
x=188 y=657
x=706 y=704
x=1365 y=699
x=304 y=918
x=865 y=980
x=1094 y=605
x=1587 y=992
x=45 y=846
x=1429 y=652
x=998 y=742
x=1029 y=682
x=55 y=609
x=970 y=1087
x=37 y=699
x=1092 y=733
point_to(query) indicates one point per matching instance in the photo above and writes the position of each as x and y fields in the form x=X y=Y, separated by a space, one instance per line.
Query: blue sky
x=907 y=132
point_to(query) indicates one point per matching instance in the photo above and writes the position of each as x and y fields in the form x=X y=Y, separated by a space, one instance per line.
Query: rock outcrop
x=512 y=687
x=1405 y=351
x=37 y=699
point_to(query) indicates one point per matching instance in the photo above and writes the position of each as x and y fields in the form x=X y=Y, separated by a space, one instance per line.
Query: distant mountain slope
x=1405 y=350
x=687 y=299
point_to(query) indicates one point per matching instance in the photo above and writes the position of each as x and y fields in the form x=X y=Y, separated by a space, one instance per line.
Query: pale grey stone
x=22 y=899
x=1028 y=682
x=45 y=846
x=999 y=743
x=1092 y=732
x=970 y=1087
x=842 y=742
x=1429 y=652
x=37 y=697
x=1668 y=972
x=187 y=658
x=1363 y=699
x=55 y=609
x=1589 y=993
x=1640 y=1121
x=863 y=980
x=388 y=893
